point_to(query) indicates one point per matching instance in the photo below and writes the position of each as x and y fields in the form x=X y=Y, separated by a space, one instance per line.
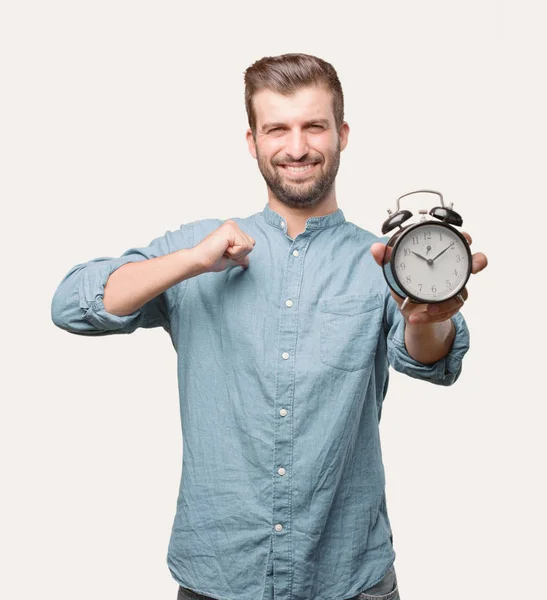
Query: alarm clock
x=429 y=261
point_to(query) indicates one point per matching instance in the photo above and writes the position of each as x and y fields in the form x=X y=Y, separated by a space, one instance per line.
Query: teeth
x=299 y=169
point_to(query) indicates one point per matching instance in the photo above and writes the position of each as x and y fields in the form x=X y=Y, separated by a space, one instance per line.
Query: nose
x=297 y=144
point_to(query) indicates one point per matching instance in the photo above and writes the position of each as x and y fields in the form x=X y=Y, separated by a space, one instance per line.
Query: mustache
x=304 y=159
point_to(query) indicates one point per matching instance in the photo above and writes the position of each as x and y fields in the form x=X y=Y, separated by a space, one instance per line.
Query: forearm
x=133 y=284
x=429 y=342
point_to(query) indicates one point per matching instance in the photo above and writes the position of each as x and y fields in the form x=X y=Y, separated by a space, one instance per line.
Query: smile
x=299 y=169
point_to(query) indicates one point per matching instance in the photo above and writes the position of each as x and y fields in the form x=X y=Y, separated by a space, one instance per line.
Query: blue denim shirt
x=282 y=372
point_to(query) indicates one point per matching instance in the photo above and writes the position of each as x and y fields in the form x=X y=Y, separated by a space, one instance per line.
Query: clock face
x=431 y=262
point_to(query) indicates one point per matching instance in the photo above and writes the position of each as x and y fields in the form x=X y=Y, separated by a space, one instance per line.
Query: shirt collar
x=322 y=222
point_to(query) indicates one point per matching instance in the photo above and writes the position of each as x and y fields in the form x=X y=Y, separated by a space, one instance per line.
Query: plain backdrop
x=121 y=120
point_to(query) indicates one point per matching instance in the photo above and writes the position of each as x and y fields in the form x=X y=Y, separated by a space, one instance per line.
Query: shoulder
x=203 y=227
x=360 y=236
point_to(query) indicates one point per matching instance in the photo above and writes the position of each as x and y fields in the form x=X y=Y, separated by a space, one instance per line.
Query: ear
x=251 y=143
x=344 y=134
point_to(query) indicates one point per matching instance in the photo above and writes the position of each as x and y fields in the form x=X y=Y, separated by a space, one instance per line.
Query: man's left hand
x=416 y=314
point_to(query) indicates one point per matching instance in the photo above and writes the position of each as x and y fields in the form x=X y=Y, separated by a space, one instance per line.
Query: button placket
x=282 y=487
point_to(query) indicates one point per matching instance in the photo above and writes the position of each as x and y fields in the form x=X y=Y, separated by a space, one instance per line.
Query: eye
x=316 y=127
x=275 y=130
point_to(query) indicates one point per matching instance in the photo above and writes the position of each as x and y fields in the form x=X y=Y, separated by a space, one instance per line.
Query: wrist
x=429 y=342
x=191 y=264
x=437 y=328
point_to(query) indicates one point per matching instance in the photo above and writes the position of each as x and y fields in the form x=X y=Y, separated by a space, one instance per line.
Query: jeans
x=386 y=589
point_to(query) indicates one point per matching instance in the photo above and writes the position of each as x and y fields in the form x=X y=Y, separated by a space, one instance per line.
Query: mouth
x=298 y=170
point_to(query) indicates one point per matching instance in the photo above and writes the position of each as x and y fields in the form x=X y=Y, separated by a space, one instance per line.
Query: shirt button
x=288 y=303
x=281 y=471
x=295 y=253
x=285 y=355
x=282 y=224
x=283 y=412
x=278 y=527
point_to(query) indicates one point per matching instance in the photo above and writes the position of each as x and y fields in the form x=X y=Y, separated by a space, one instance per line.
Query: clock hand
x=422 y=257
x=443 y=251
x=427 y=260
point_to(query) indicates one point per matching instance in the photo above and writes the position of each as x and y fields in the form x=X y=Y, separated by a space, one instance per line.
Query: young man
x=284 y=329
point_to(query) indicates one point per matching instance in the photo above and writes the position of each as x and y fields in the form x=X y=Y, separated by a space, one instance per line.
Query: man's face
x=297 y=145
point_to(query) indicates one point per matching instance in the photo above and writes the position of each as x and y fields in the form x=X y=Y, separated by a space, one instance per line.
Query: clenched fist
x=224 y=247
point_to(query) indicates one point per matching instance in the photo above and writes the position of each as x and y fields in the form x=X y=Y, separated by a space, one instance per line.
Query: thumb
x=377 y=250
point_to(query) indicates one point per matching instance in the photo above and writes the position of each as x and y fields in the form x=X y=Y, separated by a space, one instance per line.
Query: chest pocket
x=349 y=329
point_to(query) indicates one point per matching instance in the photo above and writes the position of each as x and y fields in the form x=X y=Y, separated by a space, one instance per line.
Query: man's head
x=295 y=108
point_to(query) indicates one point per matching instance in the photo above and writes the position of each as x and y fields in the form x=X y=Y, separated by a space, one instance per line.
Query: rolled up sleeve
x=443 y=372
x=77 y=304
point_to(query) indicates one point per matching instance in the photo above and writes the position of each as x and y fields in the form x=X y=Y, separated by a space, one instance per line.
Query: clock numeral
x=441 y=236
x=456 y=272
x=458 y=258
x=433 y=288
x=402 y=266
x=427 y=235
x=407 y=252
x=448 y=284
x=415 y=240
x=420 y=286
x=408 y=279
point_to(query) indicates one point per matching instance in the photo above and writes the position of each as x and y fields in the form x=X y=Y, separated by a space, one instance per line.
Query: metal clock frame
x=394 y=243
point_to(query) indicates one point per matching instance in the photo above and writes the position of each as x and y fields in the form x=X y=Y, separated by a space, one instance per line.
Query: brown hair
x=286 y=74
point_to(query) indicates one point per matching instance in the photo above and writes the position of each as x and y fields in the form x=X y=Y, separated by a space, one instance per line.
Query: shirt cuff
x=443 y=372
x=91 y=292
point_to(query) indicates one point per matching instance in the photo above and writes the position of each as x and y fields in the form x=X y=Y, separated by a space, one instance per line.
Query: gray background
x=120 y=120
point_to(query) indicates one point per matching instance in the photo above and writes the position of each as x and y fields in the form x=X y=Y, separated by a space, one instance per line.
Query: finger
x=467 y=237
x=248 y=238
x=425 y=318
x=377 y=250
x=397 y=298
x=235 y=251
x=238 y=251
x=479 y=262
x=441 y=311
x=241 y=263
x=244 y=262
x=237 y=237
x=441 y=308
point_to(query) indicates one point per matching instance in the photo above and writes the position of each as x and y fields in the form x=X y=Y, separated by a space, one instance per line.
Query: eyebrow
x=324 y=122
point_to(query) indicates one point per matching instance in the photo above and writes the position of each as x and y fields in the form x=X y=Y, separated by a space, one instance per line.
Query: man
x=284 y=329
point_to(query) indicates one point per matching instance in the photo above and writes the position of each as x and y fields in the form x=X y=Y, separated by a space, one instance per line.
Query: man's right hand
x=224 y=247
x=130 y=286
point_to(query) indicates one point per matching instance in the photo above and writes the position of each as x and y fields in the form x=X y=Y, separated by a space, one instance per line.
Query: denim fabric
x=386 y=589
x=282 y=373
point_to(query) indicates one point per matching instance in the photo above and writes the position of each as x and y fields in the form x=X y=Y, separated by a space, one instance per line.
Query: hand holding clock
x=439 y=311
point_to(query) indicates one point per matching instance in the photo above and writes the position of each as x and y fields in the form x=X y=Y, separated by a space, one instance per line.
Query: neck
x=296 y=216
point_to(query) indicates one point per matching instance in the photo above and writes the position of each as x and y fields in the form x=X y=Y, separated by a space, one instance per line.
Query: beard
x=301 y=194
